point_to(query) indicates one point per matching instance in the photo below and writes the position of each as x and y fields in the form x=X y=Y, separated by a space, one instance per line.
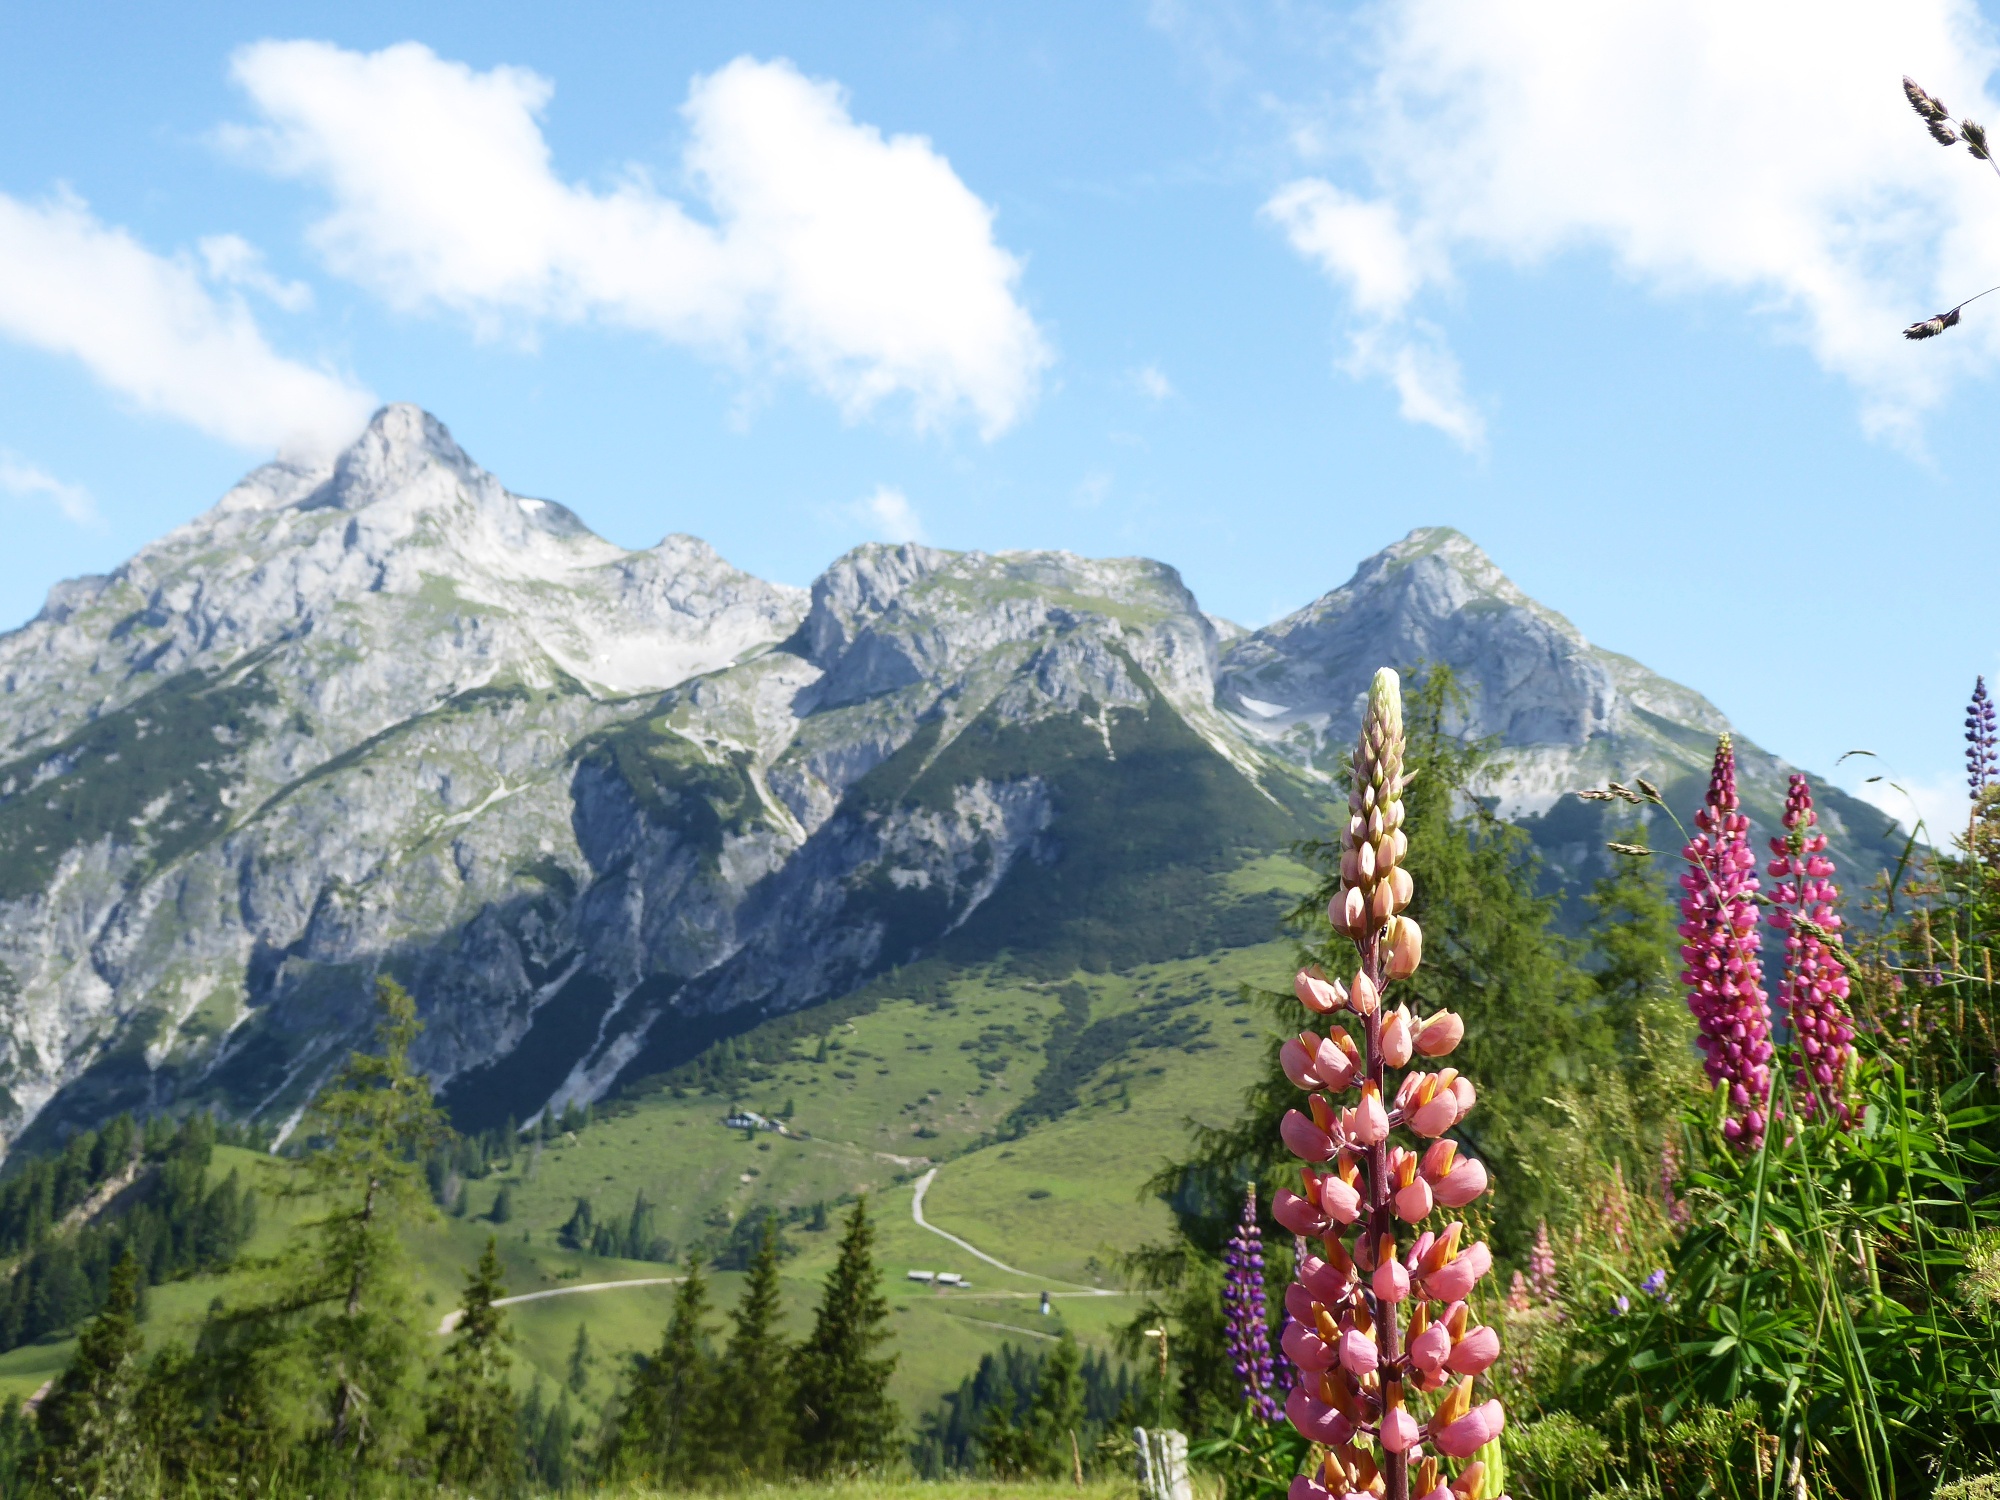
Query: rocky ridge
x=596 y=806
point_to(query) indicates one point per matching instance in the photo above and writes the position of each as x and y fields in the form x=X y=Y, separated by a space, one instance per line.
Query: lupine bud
x=1397 y=1041
x=1430 y=1348
x=1315 y=1420
x=1298 y=1064
x=1304 y=1139
x=1305 y=1348
x=1318 y=994
x=1297 y=1214
x=1470 y=1433
x=1406 y=948
x=1473 y=1353
x=1362 y=995
x=1357 y=1352
x=1440 y=1035
x=1391 y=1283
x=1371 y=1121
x=1463 y=1183
x=1454 y=1282
x=1399 y=1429
x=1342 y=1200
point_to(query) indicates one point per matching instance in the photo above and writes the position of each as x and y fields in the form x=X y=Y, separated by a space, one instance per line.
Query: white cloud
x=1153 y=383
x=1760 y=150
x=23 y=481
x=858 y=261
x=233 y=260
x=147 y=327
x=889 y=512
x=1940 y=801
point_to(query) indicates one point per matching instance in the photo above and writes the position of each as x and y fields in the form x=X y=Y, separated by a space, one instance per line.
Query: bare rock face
x=592 y=805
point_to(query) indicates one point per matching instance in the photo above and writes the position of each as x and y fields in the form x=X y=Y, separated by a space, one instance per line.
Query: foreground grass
x=851 y=1489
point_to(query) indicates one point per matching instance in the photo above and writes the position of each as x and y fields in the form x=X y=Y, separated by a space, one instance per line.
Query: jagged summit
x=1530 y=677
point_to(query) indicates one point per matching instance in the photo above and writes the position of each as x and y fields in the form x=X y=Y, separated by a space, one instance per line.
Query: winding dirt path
x=450 y=1320
x=917 y=1214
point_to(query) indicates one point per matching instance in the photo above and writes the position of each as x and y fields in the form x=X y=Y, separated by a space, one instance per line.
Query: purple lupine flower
x=1244 y=1313
x=1719 y=944
x=1814 y=990
x=1982 y=743
x=1655 y=1285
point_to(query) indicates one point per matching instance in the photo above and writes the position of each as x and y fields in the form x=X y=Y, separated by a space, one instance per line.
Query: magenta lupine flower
x=1382 y=1336
x=1982 y=743
x=1814 y=990
x=1249 y=1335
x=1719 y=945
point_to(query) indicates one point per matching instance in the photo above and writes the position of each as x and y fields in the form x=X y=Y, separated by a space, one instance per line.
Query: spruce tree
x=753 y=1386
x=580 y=1361
x=1056 y=1415
x=370 y=1127
x=665 y=1433
x=87 y=1426
x=847 y=1420
x=472 y=1420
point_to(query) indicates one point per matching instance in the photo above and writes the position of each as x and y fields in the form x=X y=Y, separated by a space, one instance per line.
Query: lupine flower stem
x=1814 y=990
x=1718 y=929
x=1359 y=1376
x=1244 y=1316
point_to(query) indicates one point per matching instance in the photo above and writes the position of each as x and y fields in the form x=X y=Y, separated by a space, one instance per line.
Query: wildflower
x=1719 y=944
x=1982 y=745
x=1542 y=1264
x=1249 y=1336
x=1655 y=1285
x=1517 y=1295
x=1622 y=1303
x=1354 y=1364
x=1670 y=1173
x=1814 y=989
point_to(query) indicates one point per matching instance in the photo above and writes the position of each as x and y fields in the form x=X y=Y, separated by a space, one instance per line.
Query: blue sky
x=1253 y=289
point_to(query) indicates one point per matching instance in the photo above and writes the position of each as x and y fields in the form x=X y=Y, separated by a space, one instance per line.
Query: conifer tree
x=580 y=1361
x=371 y=1125
x=1057 y=1412
x=87 y=1425
x=472 y=1419
x=753 y=1388
x=665 y=1433
x=847 y=1420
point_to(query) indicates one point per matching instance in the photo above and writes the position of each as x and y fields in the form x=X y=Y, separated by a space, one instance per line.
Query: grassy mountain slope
x=1139 y=1051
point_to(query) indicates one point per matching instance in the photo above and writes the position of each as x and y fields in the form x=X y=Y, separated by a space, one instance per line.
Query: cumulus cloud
x=149 y=328
x=1940 y=802
x=890 y=515
x=233 y=260
x=23 y=481
x=856 y=261
x=1763 y=151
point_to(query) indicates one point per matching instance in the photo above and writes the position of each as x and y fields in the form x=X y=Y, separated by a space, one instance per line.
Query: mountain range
x=598 y=808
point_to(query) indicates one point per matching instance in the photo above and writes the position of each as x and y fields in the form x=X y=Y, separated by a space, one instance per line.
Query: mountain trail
x=450 y=1320
x=917 y=1214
